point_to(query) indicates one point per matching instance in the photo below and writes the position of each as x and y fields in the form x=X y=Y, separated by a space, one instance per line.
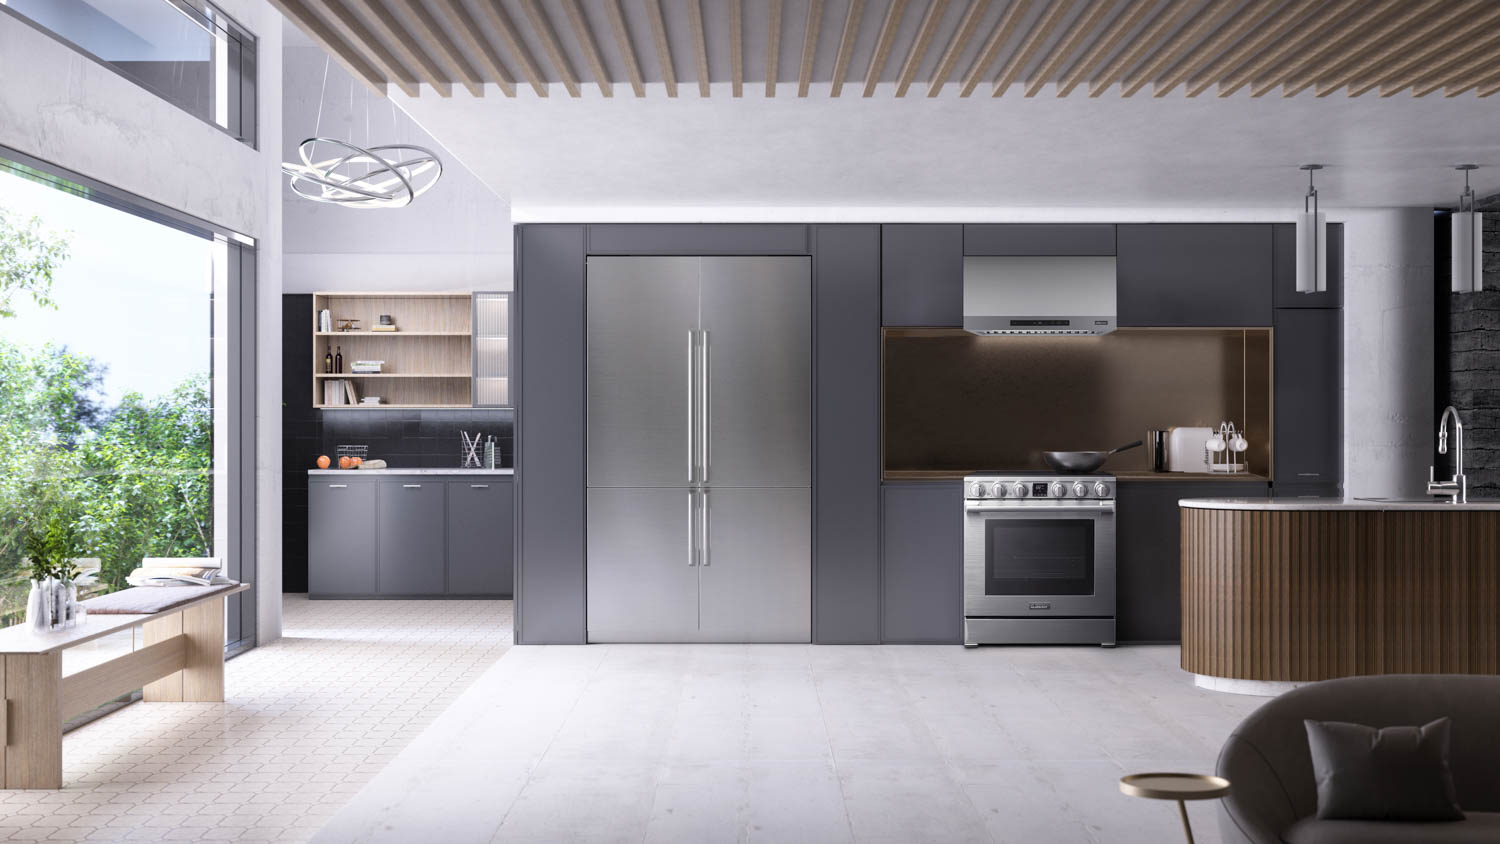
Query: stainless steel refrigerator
x=700 y=449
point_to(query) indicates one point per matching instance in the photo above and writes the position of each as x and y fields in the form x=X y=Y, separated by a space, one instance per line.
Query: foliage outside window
x=111 y=477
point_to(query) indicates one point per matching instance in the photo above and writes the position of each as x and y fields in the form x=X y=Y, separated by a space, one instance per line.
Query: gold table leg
x=1186 y=827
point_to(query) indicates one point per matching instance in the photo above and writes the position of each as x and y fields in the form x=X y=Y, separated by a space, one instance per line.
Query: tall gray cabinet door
x=1309 y=411
x=481 y=538
x=340 y=543
x=412 y=525
x=642 y=313
x=757 y=352
x=642 y=584
x=756 y=573
x=922 y=540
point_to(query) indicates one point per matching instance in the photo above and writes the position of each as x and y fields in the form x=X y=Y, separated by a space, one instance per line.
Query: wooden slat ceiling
x=912 y=48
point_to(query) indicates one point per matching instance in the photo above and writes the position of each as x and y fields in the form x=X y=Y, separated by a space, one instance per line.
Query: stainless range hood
x=1039 y=295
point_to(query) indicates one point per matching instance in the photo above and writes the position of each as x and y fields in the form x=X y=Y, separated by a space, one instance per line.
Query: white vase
x=38 y=616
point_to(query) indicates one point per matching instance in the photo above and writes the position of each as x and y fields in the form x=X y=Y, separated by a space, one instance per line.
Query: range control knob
x=1019 y=489
x=1057 y=490
x=999 y=490
x=976 y=490
x=1080 y=489
x=1102 y=490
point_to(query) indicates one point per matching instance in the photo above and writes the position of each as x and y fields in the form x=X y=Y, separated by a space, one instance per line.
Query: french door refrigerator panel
x=642 y=323
x=642 y=577
x=757 y=351
x=755 y=574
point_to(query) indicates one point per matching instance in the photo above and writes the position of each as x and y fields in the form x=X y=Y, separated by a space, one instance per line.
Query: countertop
x=1373 y=504
x=393 y=471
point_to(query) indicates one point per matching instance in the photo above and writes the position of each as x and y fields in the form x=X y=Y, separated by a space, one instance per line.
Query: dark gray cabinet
x=922 y=554
x=481 y=538
x=411 y=531
x=1148 y=552
x=412 y=535
x=1309 y=396
x=1194 y=274
x=922 y=275
x=1284 y=237
x=1040 y=239
x=340 y=537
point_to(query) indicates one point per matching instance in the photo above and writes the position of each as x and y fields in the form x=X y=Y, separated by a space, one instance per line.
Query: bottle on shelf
x=338 y=359
x=328 y=363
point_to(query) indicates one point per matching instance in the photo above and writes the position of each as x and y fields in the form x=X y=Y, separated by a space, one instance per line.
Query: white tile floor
x=307 y=721
x=801 y=743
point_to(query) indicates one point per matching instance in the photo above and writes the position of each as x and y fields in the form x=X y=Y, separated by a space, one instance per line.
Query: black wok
x=1082 y=461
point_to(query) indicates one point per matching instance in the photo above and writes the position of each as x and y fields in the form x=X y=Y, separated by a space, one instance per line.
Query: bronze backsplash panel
x=956 y=402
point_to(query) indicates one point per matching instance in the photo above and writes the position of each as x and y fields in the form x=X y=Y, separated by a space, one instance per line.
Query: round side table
x=1179 y=787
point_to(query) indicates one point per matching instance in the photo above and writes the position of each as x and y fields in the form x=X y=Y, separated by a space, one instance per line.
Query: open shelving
x=428 y=359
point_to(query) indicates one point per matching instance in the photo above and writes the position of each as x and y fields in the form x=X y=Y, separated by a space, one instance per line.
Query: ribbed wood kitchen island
x=1295 y=590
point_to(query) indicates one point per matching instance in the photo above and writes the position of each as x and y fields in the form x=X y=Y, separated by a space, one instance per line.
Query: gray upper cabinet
x=1195 y=274
x=412 y=531
x=340 y=542
x=922 y=275
x=1309 y=397
x=481 y=537
x=1284 y=236
x=922 y=553
x=696 y=239
x=1040 y=239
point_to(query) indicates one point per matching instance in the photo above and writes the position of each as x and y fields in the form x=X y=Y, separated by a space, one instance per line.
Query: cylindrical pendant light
x=1312 y=240
x=1468 y=240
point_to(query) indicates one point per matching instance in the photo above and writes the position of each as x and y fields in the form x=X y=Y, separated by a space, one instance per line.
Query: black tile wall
x=1472 y=346
x=424 y=439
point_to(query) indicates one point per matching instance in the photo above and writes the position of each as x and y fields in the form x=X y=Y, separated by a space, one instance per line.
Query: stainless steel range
x=1039 y=559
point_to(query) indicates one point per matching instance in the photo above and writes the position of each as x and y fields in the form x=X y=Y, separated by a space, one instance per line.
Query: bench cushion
x=144 y=600
x=1479 y=828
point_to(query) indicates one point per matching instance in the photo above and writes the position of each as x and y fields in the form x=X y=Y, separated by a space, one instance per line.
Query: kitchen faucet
x=1458 y=488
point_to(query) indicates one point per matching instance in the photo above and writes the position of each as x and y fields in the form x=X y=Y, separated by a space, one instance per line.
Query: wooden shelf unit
x=428 y=359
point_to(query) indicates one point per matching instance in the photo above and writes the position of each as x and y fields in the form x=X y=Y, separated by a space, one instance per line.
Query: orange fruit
x=323 y=461
x=357 y=461
x=344 y=462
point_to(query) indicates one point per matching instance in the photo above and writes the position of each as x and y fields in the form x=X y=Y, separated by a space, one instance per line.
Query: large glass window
x=186 y=51
x=118 y=383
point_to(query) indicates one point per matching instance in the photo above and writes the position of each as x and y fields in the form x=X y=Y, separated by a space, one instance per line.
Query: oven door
x=1044 y=561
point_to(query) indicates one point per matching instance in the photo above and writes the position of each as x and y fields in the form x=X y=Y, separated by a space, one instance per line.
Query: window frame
x=243 y=76
x=240 y=477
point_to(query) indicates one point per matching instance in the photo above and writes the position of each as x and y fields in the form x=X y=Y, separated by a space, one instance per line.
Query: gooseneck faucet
x=1458 y=488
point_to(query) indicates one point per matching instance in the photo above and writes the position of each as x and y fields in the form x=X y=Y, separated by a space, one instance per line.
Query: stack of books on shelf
x=338 y=391
x=367 y=367
x=187 y=571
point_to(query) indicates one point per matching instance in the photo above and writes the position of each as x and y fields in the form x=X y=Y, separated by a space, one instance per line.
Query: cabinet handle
x=479 y=486
x=337 y=486
x=411 y=486
x=692 y=403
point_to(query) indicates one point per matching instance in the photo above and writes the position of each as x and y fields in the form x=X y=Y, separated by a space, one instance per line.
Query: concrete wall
x=64 y=108
x=456 y=236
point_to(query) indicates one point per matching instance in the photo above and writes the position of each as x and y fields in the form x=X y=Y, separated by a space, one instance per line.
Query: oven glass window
x=1039 y=557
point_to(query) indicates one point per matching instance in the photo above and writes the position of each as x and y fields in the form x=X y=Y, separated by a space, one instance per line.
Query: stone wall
x=1474 y=366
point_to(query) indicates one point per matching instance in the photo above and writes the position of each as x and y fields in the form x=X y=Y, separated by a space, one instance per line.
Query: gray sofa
x=1273 y=798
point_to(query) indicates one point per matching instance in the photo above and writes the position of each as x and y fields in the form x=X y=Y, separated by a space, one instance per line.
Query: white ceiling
x=946 y=152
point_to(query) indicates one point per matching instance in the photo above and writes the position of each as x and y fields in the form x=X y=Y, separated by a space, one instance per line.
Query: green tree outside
x=137 y=478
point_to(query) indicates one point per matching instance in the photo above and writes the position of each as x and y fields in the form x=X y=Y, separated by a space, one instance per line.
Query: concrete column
x=1388 y=346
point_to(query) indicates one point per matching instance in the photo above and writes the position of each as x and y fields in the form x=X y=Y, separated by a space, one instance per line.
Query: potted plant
x=50 y=541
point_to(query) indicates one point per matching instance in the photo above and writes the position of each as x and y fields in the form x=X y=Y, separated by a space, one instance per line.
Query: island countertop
x=1330 y=504
x=393 y=471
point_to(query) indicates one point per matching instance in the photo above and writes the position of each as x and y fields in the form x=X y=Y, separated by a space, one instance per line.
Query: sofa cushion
x=1478 y=828
x=1386 y=774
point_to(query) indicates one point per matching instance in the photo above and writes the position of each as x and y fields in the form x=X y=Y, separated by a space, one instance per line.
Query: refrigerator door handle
x=692 y=528
x=692 y=438
x=705 y=416
x=703 y=548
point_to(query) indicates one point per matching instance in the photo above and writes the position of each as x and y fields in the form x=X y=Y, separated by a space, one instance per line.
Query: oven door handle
x=1031 y=512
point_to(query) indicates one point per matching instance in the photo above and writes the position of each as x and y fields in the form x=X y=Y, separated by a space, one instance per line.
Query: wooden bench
x=178 y=655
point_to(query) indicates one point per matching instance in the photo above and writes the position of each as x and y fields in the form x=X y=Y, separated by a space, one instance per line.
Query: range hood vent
x=1046 y=295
